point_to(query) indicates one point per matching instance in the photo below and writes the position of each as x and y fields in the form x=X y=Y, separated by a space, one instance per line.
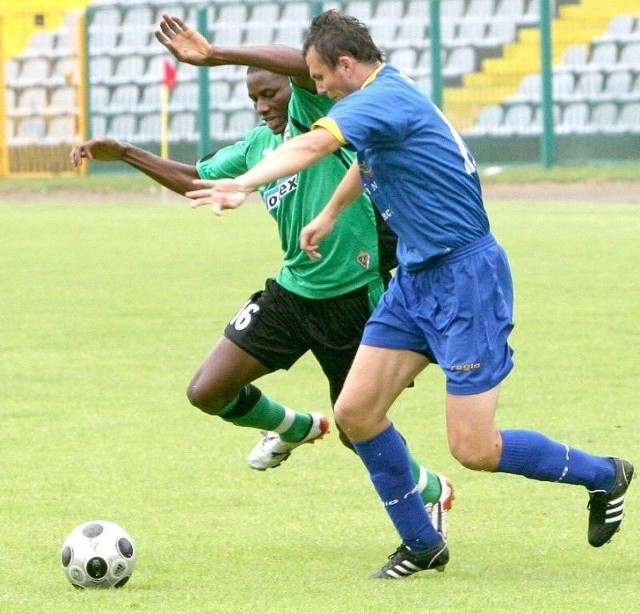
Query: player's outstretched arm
x=174 y=175
x=292 y=157
x=188 y=45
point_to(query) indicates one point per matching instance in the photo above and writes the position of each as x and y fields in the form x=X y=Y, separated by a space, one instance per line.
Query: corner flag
x=169 y=78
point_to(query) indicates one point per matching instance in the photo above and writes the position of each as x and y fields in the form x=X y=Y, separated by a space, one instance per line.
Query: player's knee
x=475 y=458
x=204 y=398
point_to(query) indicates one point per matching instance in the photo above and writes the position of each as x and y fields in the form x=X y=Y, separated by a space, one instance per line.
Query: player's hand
x=104 y=149
x=316 y=230
x=185 y=43
x=220 y=194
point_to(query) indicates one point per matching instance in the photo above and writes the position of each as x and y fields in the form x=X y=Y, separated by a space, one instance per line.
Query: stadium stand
x=596 y=72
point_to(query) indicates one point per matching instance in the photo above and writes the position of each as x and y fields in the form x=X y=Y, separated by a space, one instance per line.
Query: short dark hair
x=333 y=35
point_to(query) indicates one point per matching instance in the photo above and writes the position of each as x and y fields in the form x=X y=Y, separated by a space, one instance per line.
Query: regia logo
x=472 y=366
x=273 y=196
x=364 y=260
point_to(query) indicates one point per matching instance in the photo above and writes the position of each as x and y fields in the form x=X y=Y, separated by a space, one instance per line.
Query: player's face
x=333 y=82
x=270 y=94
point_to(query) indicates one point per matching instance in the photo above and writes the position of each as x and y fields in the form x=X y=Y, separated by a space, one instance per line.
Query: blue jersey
x=415 y=167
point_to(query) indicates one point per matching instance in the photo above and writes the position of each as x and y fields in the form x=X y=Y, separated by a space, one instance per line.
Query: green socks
x=428 y=482
x=254 y=409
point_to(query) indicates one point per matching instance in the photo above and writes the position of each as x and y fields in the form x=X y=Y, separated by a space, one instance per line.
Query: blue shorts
x=458 y=312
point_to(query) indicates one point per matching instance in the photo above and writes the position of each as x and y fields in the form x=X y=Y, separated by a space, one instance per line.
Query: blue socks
x=535 y=456
x=385 y=457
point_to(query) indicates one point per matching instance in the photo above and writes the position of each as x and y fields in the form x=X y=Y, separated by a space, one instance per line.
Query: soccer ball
x=98 y=554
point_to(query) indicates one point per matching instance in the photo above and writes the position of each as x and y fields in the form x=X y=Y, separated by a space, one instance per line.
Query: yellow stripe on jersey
x=329 y=124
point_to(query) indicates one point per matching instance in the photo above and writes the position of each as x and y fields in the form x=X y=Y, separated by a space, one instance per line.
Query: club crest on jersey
x=364 y=260
x=274 y=195
x=367 y=177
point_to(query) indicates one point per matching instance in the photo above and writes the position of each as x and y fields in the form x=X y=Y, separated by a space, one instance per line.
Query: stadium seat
x=618 y=85
x=62 y=100
x=459 y=61
x=240 y=122
x=589 y=85
x=41 y=43
x=630 y=55
x=123 y=126
x=619 y=29
x=362 y=9
x=98 y=125
x=512 y=9
x=184 y=96
x=102 y=39
x=563 y=85
x=489 y=121
x=109 y=16
x=130 y=68
x=404 y=58
x=603 y=55
x=452 y=9
x=138 y=16
x=182 y=127
x=11 y=98
x=148 y=128
x=150 y=97
x=629 y=117
x=500 y=31
x=414 y=32
x=219 y=91
x=575 y=56
x=472 y=31
x=99 y=97
x=153 y=71
x=136 y=39
x=417 y=9
x=603 y=116
x=290 y=33
x=124 y=97
x=575 y=118
x=218 y=124
x=29 y=130
x=481 y=9
x=62 y=129
x=296 y=12
x=11 y=71
x=33 y=71
x=31 y=101
x=101 y=69
x=518 y=118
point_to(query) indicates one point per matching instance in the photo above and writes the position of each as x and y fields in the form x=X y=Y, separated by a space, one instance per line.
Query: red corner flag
x=168 y=74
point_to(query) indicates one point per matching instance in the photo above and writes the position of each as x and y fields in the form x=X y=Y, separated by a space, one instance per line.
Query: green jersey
x=350 y=257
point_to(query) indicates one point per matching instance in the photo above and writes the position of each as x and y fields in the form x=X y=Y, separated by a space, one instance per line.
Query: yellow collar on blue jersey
x=372 y=76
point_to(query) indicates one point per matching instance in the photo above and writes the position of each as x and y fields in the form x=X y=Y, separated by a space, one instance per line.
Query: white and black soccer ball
x=98 y=554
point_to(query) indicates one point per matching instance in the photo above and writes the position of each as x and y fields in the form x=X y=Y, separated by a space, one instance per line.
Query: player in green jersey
x=317 y=306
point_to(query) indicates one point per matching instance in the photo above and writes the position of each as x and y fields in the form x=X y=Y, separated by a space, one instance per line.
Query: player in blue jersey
x=307 y=306
x=450 y=302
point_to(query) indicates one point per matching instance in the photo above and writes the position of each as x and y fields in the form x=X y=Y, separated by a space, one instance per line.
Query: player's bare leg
x=222 y=386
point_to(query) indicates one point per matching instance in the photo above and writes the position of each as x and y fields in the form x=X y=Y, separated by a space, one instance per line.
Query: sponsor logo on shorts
x=472 y=366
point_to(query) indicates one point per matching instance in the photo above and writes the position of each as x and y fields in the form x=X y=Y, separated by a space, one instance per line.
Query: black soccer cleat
x=405 y=562
x=606 y=508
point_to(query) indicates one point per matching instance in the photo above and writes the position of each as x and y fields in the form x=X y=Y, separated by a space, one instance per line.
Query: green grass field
x=107 y=309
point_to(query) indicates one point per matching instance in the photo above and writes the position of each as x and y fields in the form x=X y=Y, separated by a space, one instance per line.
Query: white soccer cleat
x=439 y=511
x=272 y=450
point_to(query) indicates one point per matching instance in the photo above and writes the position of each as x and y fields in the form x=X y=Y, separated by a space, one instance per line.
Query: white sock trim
x=287 y=421
x=422 y=479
